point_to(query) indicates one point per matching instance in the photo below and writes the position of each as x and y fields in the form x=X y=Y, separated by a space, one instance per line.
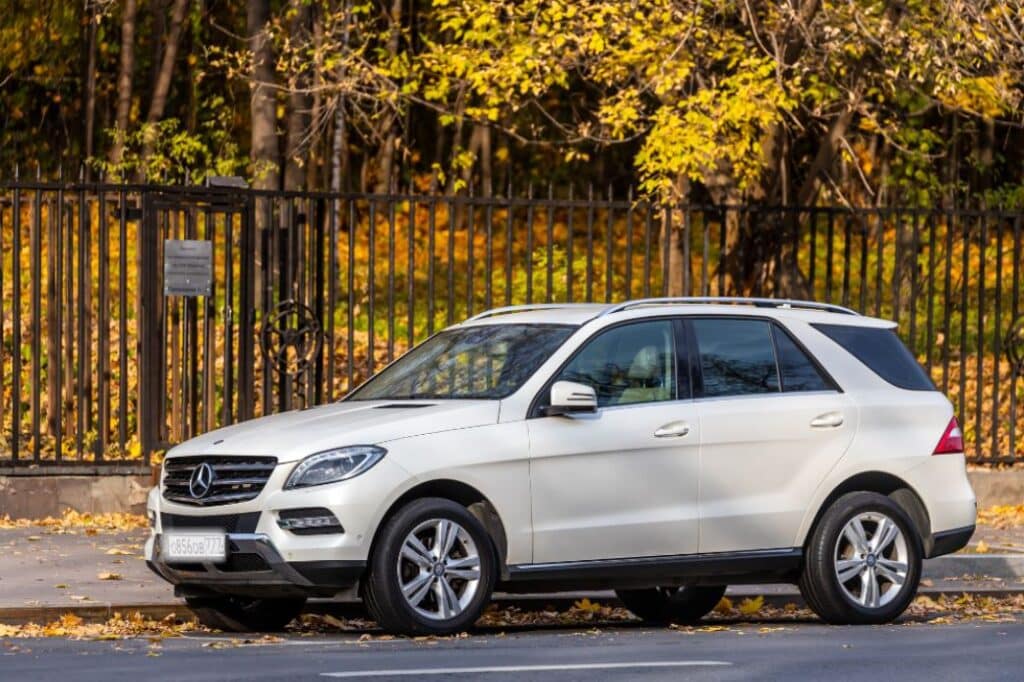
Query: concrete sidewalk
x=44 y=574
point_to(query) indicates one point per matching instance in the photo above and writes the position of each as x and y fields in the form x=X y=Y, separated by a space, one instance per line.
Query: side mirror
x=569 y=397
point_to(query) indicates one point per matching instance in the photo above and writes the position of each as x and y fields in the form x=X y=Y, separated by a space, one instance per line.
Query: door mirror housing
x=569 y=397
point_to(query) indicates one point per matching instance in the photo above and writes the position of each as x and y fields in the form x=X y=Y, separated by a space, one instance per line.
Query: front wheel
x=666 y=605
x=432 y=571
x=243 y=614
x=863 y=561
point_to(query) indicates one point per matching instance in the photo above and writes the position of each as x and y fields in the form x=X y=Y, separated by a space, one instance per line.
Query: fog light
x=309 y=521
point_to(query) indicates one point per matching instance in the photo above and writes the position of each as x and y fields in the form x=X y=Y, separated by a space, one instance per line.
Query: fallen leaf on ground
x=724 y=606
x=748 y=607
x=117 y=551
x=106 y=575
x=586 y=605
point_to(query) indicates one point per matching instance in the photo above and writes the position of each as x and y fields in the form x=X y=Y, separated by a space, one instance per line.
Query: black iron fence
x=101 y=362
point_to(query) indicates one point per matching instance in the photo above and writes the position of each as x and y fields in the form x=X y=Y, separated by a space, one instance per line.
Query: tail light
x=952 y=440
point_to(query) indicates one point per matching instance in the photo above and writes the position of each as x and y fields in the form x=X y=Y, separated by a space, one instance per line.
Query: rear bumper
x=255 y=568
x=949 y=541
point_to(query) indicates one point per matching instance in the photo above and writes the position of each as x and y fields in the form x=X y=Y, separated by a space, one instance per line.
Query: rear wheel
x=243 y=614
x=863 y=561
x=664 y=605
x=432 y=570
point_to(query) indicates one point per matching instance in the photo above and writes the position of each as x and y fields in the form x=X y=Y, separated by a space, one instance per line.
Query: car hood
x=292 y=435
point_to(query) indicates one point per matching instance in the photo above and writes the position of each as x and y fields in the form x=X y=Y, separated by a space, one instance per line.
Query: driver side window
x=633 y=363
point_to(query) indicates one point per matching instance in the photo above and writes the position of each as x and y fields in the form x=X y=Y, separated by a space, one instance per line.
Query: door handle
x=672 y=430
x=829 y=420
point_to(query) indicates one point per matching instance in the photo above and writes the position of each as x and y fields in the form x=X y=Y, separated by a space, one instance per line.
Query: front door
x=621 y=482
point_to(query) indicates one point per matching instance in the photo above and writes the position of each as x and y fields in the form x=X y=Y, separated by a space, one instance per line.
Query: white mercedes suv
x=664 y=448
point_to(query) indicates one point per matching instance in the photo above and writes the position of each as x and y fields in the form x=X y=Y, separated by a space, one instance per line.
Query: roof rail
x=733 y=300
x=494 y=312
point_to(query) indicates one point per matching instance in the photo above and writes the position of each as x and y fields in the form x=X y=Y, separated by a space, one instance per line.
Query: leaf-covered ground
x=1002 y=516
x=747 y=615
x=72 y=522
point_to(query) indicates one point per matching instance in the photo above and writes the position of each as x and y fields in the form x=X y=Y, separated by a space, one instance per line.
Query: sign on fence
x=188 y=267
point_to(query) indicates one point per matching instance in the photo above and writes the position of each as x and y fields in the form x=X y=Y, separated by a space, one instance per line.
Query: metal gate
x=195 y=352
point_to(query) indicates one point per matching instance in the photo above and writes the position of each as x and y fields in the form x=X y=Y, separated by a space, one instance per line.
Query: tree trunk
x=195 y=44
x=389 y=127
x=264 y=145
x=318 y=143
x=299 y=102
x=671 y=242
x=480 y=148
x=162 y=86
x=341 y=161
x=751 y=258
x=339 y=150
x=90 y=87
x=124 y=80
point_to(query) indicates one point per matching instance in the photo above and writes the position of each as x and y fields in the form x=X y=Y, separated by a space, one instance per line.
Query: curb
x=527 y=602
x=1004 y=566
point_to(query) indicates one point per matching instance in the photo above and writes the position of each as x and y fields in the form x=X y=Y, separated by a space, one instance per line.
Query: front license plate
x=195 y=547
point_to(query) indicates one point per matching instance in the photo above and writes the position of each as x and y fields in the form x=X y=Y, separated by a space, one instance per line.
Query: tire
x=244 y=614
x=431 y=608
x=836 y=549
x=667 y=605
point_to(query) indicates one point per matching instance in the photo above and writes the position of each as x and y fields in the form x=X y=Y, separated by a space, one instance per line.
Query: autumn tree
x=734 y=102
x=772 y=103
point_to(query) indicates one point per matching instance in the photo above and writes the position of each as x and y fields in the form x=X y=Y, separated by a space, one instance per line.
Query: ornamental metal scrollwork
x=291 y=338
x=1014 y=345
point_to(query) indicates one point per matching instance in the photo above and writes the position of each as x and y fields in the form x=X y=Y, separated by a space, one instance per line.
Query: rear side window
x=736 y=356
x=798 y=372
x=883 y=352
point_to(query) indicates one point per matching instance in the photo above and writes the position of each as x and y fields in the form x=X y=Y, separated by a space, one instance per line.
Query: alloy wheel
x=439 y=569
x=871 y=559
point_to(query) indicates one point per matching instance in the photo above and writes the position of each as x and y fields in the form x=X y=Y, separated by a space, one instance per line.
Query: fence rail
x=312 y=292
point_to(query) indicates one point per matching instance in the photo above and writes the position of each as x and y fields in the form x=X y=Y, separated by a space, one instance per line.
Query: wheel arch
x=883 y=483
x=468 y=496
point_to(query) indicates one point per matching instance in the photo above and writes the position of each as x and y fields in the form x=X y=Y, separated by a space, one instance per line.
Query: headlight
x=335 y=465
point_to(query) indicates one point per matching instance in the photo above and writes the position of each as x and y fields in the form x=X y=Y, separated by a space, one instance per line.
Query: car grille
x=235 y=479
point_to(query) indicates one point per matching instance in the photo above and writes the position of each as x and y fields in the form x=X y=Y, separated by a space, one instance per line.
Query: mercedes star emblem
x=202 y=480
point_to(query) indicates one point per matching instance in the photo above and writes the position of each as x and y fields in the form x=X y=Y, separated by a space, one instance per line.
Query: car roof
x=577 y=314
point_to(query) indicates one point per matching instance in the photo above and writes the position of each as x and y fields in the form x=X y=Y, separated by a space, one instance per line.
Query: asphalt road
x=768 y=651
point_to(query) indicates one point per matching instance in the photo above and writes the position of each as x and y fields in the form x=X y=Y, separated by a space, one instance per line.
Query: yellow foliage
x=749 y=607
x=586 y=605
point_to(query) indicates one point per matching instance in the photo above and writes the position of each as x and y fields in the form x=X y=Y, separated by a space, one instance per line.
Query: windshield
x=481 y=362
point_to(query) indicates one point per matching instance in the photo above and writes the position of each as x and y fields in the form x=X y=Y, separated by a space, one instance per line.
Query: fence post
x=150 y=388
x=247 y=318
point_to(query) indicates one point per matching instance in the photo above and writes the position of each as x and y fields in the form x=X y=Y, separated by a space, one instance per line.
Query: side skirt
x=720 y=568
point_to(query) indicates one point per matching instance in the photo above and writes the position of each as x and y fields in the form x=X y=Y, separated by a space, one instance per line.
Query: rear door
x=773 y=423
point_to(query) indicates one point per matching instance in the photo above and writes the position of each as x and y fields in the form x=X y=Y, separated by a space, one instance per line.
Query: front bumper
x=255 y=568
